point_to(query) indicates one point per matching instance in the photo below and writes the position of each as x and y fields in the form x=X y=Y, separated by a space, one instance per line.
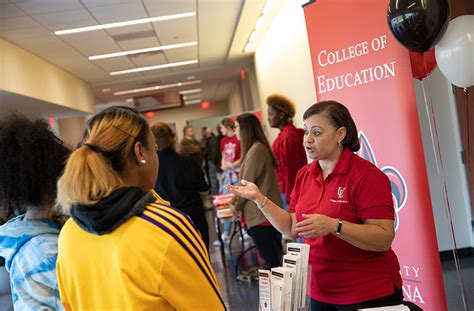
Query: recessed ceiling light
x=157 y=48
x=190 y=91
x=139 y=69
x=190 y=77
x=267 y=7
x=126 y=23
x=129 y=100
x=157 y=87
x=253 y=36
x=106 y=90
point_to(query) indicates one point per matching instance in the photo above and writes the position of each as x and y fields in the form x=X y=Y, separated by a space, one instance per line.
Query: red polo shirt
x=355 y=190
x=291 y=157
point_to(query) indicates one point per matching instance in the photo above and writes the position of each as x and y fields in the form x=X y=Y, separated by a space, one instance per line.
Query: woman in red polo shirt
x=342 y=206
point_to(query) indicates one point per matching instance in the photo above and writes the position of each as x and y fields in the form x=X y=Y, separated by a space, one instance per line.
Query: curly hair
x=32 y=160
x=283 y=104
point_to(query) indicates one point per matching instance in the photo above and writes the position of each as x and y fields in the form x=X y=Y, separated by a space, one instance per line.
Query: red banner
x=358 y=62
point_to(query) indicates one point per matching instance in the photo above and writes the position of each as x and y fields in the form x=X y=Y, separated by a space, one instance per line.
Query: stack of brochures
x=284 y=288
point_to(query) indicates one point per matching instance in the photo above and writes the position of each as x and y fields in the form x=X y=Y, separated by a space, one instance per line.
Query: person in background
x=257 y=166
x=230 y=163
x=190 y=147
x=212 y=159
x=342 y=206
x=181 y=181
x=288 y=146
x=124 y=247
x=32 y=160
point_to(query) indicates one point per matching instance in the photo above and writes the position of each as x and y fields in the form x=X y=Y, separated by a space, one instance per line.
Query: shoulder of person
x=368 y=169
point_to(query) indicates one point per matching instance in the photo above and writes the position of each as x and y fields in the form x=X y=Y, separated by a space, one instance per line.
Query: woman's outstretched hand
x=248 y=190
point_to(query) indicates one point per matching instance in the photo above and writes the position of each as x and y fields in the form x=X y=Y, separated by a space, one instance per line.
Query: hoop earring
x=142 y=161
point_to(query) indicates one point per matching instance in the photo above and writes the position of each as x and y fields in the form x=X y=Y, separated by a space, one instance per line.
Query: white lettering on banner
x=326 y=58
x=411 y=276
x=351 y=79
x=371 y=74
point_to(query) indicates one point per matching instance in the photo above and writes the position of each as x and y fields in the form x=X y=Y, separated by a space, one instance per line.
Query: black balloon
x=418 y=24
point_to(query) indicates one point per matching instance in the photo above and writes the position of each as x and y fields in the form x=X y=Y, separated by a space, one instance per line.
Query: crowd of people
x=120 y=221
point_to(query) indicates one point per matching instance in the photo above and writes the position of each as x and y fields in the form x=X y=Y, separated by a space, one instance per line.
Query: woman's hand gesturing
x=248 y=190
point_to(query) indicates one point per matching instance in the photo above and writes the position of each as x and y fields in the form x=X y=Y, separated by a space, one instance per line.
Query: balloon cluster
x=424 y=28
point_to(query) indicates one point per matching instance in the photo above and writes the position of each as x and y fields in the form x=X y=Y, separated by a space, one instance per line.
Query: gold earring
x=143 y=161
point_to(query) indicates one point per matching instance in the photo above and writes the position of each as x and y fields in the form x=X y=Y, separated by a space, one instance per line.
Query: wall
x=235 y=100
x=454 y=170
x=26 y=74
x=71 y=130
x=181 y=115
x=283 y=62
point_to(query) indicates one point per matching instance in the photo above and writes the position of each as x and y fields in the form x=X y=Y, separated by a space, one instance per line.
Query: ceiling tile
x=92 y=43
x=182 y=54
x=66 y=19
x=176 y=31
x=47 y=6
x=118 y=12
x=20 y=22
x=168 y=7
x=95 y=3
x=149 y=60
x=114 y=64
x=140 y=28
x=217 y=22
x=9 y=11
x=140 y=43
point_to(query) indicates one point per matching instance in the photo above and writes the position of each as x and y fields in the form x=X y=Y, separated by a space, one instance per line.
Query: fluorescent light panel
x=139 y=69
x=192 y=96
x=158 y=48
x=194 y=101
x=190 y=91
x=158 y=87
x=126 y=23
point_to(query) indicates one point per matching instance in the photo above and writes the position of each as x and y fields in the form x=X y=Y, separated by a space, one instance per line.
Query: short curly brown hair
x=283 y=104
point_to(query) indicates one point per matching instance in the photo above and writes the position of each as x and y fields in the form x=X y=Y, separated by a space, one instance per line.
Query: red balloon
x=422 y=64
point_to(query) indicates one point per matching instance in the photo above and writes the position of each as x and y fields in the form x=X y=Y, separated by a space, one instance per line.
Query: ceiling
x=221 y=29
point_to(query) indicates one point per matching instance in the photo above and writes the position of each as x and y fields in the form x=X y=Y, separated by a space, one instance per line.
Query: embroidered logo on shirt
x=340 y=195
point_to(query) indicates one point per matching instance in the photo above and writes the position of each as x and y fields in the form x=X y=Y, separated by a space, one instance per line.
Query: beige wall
x=71 y=130
x=235 y=100
x=283 y=63
x=181 y=115
x=26 y=74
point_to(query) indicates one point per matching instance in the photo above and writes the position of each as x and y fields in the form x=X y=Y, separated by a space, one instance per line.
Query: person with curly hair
x=32 y=160
x=288 y=146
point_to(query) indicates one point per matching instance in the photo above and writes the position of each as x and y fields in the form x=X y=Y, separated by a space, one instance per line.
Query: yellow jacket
x=153 y=261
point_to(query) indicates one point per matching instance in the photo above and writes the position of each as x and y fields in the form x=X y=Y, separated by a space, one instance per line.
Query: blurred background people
x=124 y=246
x=288 y=146
x=190 y=147
x=257 y=166
x=32 y=158
x=230 y=163
x=180 y=181
x=212 y=158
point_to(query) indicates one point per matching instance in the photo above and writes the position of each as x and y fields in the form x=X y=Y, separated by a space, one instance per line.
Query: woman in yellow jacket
x=125 y=248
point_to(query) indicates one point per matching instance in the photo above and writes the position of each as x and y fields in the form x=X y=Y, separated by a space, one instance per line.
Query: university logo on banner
x=358 y=62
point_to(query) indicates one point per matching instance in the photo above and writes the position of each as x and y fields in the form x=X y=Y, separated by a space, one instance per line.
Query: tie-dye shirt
x=30 y=249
